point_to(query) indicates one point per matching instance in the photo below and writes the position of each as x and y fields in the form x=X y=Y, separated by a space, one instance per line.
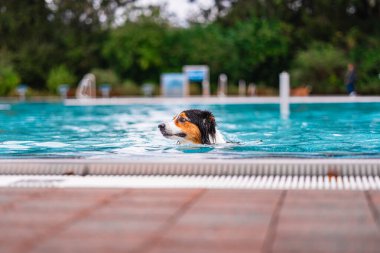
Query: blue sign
x=196 y=75
x=173 y=85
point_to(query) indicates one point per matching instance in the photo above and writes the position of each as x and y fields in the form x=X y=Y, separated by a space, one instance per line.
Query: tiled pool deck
x=188 y=220
x=125 y=219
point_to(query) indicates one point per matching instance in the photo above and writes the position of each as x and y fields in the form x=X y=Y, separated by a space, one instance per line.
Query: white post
x=251 y=89
x=206 y=82
x=242 y=88
x=284 y=95
x=206 y=88
x=222 y=85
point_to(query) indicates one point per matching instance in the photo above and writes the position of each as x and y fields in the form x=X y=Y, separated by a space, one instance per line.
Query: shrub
x=9 y=79
x=59 y=75
x=106 y=76
x=369 y=71
x=127 y=88
x=322 y=67
x=263 y=90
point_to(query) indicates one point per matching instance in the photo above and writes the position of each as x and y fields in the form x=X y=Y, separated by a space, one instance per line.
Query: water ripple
x=313 y=130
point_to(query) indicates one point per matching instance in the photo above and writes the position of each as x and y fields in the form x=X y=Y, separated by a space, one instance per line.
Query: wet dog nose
x=161 y=126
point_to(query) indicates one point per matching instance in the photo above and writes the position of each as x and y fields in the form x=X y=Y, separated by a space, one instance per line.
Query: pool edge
x=236 y=167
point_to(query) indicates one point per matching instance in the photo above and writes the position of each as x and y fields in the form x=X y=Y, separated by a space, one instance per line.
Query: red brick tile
x=237 y=219
x=48 y=206
x=219 y=221
x=114 y=225
x=316 y=227
x=8 y=247
x=86 y=245
x=325 y=194
x=5 y=199
x=34 y=219
x=10 y=197
x=156 y=196
x=147 y=212
x=216 y=201
x=222 y=221
x=374 y=198
x=317 y=245
x=164 y=192
x=332 y=215
x=85 y=192
x=17 y=234
x=242 y=196
x=205 y=207
x=203 y=249
x=24 y=191
x=326 y=221
x=229 y=237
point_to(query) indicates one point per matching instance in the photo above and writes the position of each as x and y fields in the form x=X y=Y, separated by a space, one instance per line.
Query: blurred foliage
x=57 y=76
x=252 y=40
x=106 y=76
x=9 y=78
x=262 y=47
x=129 y=88
x=134 y=49
x=369 y=68
x=42 y=34
x=263 y=90
x=322 y=67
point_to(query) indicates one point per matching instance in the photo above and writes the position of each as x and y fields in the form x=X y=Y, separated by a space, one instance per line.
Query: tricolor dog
x=192 y=126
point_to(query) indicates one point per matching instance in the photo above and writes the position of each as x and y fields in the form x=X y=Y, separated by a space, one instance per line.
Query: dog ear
x=208 y=128
x=209 y=119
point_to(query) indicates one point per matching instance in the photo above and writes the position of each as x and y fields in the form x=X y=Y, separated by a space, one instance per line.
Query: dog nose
x=161 y=126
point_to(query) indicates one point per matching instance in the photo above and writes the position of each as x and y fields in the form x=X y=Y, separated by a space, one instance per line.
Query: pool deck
x=188 y=220
x=58 y=217
x=191 y=220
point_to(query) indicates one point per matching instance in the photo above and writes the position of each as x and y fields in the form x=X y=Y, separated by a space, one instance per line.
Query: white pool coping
x=199 y=167
x=219 y=100
x=205 y=182
x=280 y=174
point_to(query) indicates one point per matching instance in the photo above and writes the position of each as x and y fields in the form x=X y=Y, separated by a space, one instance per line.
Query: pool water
x=52 y=130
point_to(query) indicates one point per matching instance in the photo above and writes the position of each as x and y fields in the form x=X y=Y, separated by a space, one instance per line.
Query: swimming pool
x=53 y=130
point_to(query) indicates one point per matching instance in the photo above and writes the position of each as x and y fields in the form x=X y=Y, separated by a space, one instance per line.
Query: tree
x=41 y=34
x=82 y=28
x=199 y=44
x=321 y=66
x=26 y=32
x=262 y=47
x=134 y=49
x=246 y=39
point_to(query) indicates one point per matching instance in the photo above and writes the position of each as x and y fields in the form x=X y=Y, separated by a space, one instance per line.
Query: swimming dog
x=192 y=126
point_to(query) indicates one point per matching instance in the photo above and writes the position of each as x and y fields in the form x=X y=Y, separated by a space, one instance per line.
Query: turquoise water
x=52 y=130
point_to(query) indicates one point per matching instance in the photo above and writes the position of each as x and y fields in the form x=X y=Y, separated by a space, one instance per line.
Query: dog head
x=194 y=126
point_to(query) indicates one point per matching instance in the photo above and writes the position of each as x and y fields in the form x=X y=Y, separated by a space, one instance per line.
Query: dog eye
x=182 y=120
